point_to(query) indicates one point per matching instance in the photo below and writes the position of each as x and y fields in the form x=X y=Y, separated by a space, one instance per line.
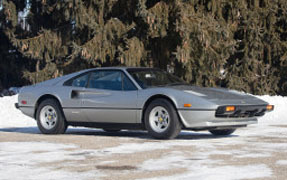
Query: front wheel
x=161 y=119
x=50 y=118
x=222 y=132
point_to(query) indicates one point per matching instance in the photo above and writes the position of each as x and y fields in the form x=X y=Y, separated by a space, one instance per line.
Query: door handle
x=74 y=94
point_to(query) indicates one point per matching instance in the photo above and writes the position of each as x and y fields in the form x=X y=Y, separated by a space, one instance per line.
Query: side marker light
x=23 y=102
x=187 y=105
x=269 y=107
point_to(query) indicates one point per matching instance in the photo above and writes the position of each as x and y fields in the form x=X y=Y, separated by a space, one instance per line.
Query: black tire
x=174 y=126
x=112 y=130
x=60 y=125
x=222 y=132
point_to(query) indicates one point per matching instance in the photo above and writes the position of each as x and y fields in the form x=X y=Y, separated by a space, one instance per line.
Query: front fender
x=179 y=98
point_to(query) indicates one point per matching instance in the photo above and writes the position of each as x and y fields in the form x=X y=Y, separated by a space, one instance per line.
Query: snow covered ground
x=258 y=151
x=12 y=117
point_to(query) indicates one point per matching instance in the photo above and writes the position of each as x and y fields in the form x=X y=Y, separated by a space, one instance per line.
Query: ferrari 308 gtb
x=117 y=98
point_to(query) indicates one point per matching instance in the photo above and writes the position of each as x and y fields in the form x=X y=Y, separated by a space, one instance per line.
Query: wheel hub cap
x=159 y=119
x=48 y=117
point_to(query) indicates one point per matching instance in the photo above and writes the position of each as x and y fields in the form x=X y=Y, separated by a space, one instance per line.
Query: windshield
x=154 y=77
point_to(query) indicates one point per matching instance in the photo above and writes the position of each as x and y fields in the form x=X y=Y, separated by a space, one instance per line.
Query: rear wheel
x=50 y=118
x=161 y=119
x=222 y=132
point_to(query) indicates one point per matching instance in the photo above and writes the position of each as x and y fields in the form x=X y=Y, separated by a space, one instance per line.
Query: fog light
x=230 y=108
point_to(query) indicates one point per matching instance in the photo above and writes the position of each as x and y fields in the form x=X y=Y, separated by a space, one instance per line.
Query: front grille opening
x=241 y=112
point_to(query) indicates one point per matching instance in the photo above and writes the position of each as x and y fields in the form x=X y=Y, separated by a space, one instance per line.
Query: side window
x=80 y=81
x=128 y=84
x=111 y=80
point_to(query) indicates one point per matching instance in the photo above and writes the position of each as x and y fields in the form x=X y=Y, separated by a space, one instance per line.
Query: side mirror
x=170 y=69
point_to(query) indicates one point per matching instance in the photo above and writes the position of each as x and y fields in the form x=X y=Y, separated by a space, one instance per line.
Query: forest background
x=238 y=44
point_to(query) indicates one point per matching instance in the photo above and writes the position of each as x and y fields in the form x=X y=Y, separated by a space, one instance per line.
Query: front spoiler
x=207 y=119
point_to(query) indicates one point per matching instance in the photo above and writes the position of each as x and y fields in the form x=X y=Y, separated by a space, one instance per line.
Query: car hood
x=221 y=95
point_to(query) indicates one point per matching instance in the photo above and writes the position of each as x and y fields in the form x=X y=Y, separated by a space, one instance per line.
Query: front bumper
x=205 y=119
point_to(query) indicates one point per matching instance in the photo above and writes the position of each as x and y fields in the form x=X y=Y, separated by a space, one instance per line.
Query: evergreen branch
x=43 y=33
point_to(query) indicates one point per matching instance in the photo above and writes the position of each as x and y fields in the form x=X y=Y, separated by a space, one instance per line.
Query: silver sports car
x=118 y=98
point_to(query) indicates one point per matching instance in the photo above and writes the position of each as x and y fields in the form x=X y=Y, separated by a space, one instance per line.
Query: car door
x=110 y=97
x=72 y=97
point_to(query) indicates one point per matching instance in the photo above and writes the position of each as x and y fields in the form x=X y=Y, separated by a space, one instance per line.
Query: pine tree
x=252 y=68
x=206 y=41
x=229 y=43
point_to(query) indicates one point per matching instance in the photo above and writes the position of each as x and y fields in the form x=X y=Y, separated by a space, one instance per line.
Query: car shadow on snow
x=184 y=135
x=26 y=130
x=141 y=134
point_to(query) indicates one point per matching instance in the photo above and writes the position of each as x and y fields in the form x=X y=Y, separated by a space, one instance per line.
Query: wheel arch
x=42 y=98
x=157 y=96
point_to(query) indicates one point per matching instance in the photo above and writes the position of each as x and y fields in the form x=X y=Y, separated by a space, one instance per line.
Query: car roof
x=120 y=68
x=123 y=67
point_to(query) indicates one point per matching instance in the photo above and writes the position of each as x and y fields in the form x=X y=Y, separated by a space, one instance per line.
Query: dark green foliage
x=229 y=43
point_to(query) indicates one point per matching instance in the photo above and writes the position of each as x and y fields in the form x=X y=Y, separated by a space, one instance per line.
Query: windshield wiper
x=176 y=84
x=170 y=84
